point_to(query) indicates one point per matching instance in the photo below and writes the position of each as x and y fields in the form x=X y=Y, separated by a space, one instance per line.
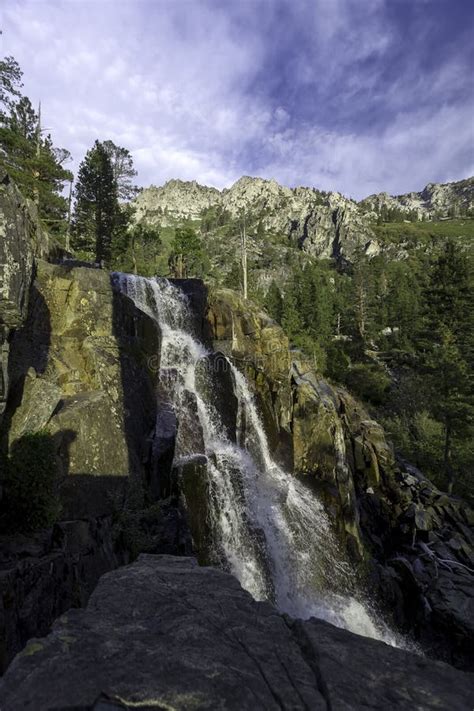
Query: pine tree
x=274 y=302
x=137 y=247
x=317 y=302
x=96 y=212
x=446 y=344
x=123 y=170
x=10 y=84
x=291 y=318
x=403 y=301
x=34 y=164
x=187 y=258
x=369 y=291
x=361 y=298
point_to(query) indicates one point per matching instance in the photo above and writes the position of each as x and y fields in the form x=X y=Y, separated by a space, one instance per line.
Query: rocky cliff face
x=167 y=634
x=176 y=199
x=83 y=369
x=80 y=367
x=21 y=240
x=44 y=574
x=324 y=225
x=83 y=366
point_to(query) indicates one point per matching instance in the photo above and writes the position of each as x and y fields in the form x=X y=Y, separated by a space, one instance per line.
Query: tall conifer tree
x=32 y=161
x=96 y=209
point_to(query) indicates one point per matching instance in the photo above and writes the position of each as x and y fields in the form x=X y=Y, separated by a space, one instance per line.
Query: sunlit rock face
x=323 y=225
x=21 y=240
x=82 y=367
x=176 y=199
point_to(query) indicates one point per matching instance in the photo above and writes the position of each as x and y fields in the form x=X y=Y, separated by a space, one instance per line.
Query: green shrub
x=338 y=362
x=369 y=382
x=398 y=430
x=429 y=442
x=31 y=484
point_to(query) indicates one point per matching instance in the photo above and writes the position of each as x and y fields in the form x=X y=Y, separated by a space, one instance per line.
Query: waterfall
x=269 y=529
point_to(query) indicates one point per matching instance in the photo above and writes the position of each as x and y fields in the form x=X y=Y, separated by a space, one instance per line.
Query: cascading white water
x=270 y=531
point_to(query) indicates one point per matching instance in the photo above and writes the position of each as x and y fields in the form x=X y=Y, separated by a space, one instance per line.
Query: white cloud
x=180 y=85
x=400 y=159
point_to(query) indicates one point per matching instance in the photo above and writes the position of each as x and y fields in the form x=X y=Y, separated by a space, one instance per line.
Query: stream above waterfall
x=268 y=528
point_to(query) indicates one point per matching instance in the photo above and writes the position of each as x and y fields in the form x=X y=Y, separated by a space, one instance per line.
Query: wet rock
x=163 y=448
x=164 y=633
x=259 y=349
x=197 y=294
x=190 y=439
x=191 y=474
x=214 y=382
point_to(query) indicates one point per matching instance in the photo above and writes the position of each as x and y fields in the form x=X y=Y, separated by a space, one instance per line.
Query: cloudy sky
x=358 y=96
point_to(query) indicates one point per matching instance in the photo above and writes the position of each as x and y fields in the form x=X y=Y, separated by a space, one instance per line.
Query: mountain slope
x=322 y=225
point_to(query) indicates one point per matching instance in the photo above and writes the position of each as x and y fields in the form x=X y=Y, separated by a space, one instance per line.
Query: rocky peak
x=176 y=199
x=435 y=200
x=255 y=194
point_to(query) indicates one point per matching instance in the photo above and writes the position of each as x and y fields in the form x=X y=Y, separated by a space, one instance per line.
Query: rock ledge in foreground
x=164 y=633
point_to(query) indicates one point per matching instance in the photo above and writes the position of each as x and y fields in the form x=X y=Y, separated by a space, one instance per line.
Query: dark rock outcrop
x=166 y=634
x=83 y=370
x=214 y=382
x=419 y=542
x=43 y=575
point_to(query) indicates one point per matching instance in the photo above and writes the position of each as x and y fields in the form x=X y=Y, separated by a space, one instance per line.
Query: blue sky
x=358 y=96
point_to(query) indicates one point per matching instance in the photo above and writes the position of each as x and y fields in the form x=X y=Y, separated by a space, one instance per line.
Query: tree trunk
x=68 y=230
x=244 y=258
x=361 y=316
x=179 y=267
x=447 y=466
x=134 y=257
x=38 y=153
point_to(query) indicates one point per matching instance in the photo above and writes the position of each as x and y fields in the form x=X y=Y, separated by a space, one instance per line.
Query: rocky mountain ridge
x=323 y=224
x=436 y=199
x=182 y=198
